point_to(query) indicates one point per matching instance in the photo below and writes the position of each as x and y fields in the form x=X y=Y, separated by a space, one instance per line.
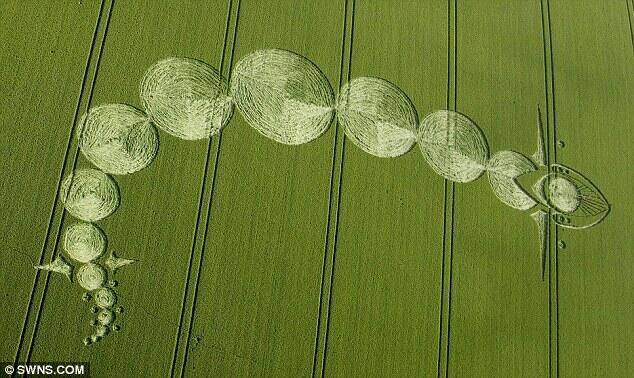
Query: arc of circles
x=285 y=97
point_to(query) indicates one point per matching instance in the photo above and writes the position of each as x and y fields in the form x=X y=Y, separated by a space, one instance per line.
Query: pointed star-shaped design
x=59 y=265
x=113 y=262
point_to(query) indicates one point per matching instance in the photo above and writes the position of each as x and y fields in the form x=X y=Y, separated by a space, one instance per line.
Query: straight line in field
x=180 y=351
x=554 y=234
x=442 y=363
x=442 y=286
x=231 y=45
x=330 y=244
x=547 y=113
x=630 y=16
x=552 y=145
x=451 y=202
x=551 y=137
x=57 y=215
x=74 y=164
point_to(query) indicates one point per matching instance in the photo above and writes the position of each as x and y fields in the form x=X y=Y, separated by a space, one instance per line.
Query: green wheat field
x=257 y=259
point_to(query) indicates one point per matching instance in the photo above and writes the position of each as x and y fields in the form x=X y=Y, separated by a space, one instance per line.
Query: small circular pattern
x=187 y=98
x=91 y=276
x=105 y=297
x=563 y=194
x=118 y=138
x=283 y=96
x=105 y=317
x=84 y=242
x=378 y=117
x=453 y=146
x=101 y=331
x=89 y=194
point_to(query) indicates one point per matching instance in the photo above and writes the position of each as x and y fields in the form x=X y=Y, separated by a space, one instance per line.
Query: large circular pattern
x=89 y=194
x=118 y=138
x=283 y=95
x=453 y=145
x=378 y=117
x=84 y=242
x=91 y=276
x=105 y=297
x=187 y=98
x=502 y=169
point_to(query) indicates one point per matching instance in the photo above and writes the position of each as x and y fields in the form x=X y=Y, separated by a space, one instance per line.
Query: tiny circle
x=102 y=331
